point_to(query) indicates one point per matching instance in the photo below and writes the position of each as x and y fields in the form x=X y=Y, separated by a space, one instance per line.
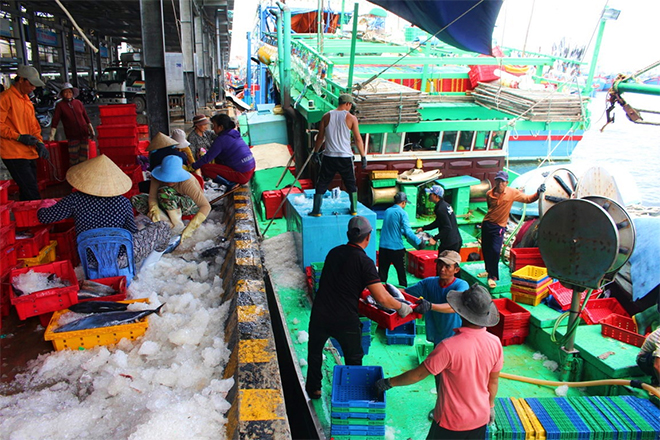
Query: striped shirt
x=651 y=344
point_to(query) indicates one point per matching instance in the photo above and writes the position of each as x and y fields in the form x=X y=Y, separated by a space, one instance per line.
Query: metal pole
x=99 y=61
x=220 y=63
x=341 y=17
x=351 y=65
x=63 y=51
x=199 y=63
x=205 y=63
x=34 y=44
x=153 y=47
x=631 y=87
x=248 y=73
x=286 y=80
x=594 y=58
x=573 y=316
x=72 y=59
x=187 y=48
x=19 y=32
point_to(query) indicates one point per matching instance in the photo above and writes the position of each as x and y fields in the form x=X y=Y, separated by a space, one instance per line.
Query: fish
x=396 y=293
x=98 y=307
x=97 y=288
x=174 y=242
x=107 y=319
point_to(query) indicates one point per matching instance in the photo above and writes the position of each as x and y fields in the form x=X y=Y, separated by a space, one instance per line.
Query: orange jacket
x=17 y=118
x=499 y=205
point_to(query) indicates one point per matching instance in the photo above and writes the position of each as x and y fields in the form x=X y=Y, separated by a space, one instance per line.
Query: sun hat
x=346 y=98
x=161 y=141
x=171 y=170
x=436 y=189
x=31 y=74
x=475 y=305
x=449 y=257
x=400 y=197
x=180 y=136
x=502 y=175
x=358 y=226
x=200 y=119
x=68 y=85
x=100 y=177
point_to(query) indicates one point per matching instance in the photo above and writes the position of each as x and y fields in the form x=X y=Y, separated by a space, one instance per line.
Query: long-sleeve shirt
x=445 y=222
x=230 y=150
x=499 y=205
x=190 y=188
x=91 y=212
x=74 y=119
x=17 y=118
x=395 y=224
x=197 y=142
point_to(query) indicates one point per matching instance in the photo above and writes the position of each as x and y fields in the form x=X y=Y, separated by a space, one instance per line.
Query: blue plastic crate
x=356 y=430
x=401 y=335
x=357 y=415
x=552 y=431
x=353 y=387
x=366 y=343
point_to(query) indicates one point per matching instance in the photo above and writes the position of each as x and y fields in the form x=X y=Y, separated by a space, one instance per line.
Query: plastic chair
x=105 y=244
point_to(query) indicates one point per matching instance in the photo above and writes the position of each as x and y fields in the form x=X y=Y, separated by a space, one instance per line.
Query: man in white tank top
x=335 y=129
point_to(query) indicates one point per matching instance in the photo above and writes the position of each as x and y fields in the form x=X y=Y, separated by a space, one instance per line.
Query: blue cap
x=171 y=170
x=437 y=190
x=502 y=175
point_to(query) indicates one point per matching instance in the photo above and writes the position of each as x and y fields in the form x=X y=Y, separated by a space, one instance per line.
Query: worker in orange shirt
x=20 y=133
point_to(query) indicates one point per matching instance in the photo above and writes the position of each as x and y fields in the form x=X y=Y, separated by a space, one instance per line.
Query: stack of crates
x=317 y=269
x=36 y=247
x=7 y=249
x=422 y=263
x=401 y=335
x=273 y=199
x=118 y=133
x=513 y=327
x=529 y=285
x=64 y=234
x=366 y=337
x=521 y=257
x=356 y=410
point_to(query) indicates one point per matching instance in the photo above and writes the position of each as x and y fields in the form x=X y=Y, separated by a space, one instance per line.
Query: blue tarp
x=644 y=266
x=472 y=32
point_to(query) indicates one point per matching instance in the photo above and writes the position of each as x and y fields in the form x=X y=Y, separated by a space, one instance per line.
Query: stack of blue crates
x=366 y=337
x=317 y=268
x=401 y=335
x=357 y=410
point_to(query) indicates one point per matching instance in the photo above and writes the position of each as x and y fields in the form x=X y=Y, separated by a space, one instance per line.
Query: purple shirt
x=230 y=150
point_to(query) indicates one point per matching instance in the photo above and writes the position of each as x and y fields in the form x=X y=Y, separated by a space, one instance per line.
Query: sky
x=629 y=43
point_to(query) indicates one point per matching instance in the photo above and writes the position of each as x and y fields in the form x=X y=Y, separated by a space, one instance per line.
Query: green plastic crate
x=383 y=183
x=423 y=350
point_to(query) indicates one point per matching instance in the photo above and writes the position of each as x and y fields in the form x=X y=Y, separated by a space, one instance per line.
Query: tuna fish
x=107 y=319
x=392 y=290
x=98 y=307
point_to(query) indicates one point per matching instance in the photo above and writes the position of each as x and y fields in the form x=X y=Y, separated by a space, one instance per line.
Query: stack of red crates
x=422 y=263
x=513 y=327
x=7 y=249
x=521 y=257
x=118 y=133
x=273 y=199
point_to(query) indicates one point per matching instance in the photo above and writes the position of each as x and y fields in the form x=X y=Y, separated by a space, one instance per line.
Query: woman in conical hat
x=99 y=203
x=162 y=146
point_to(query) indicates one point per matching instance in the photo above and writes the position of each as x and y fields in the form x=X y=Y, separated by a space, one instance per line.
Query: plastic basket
x=112 y=131
x=117 y=283
x=134 y=172
x=46 y=255
x=142 y=147
x=4 y=191
x=384 y=319
x=48 y=300
x=383 y=183
x=415 y=259
x=5 y=218
x=531 y=290
x=65 y=235
x=423 y=350
x=7 y=258
x=482 y=73
x=118 y=141
x=119 y=120
x=121 y=159
x=117 y=110
x=85 y=339
x=521 y=257
x=7 y=235
x=353 y=386
x=621 y=328
x=25 y=213
x=30 y=247
x=563 y=296
x=383 y=174
x=598 y=309
x=524 y=298
x=531 y=273
x=401 y=335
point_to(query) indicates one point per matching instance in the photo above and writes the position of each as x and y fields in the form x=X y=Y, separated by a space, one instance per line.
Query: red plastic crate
x=122 y=159
x=30 y=247
x=306 y=183
x=521 y=257
x=563 y=296
x=143 y=132
x=117 y=283
x=53 y=170
x=65 y=235
x=118 y=142
x=621 y=328
x=513 y=327
x=4 y=191
x=116 y=131
x=598 y=309
x=119 y=120
x=142 y=147
x=415 y=257
x=134 y=172
x=294 y=190
x=386 y=320
x=117 y=110
x=92 y=151
x=25 y=213
x=5 y=302
x=7 y=235
x=482 y=73
x=8 y=258
x=48 y=300
x=272 y=200
x=5 y=219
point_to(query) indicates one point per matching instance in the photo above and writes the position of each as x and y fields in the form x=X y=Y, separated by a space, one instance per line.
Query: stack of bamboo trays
x=531 y=105
x=383 y=101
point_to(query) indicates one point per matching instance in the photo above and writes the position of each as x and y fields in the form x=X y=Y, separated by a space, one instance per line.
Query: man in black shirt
x=346 y=273
x=448 y=237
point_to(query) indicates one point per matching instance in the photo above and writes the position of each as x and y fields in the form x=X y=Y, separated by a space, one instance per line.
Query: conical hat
x=100 y=177
x=161 y=141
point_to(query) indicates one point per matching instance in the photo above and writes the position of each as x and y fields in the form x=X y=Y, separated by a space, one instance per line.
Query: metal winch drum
x=560 y=185
x=383 y=195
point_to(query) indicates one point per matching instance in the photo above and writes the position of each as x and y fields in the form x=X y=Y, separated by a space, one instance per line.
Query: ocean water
x=634 y=148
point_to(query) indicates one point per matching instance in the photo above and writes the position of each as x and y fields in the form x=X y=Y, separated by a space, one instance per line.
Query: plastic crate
x=482 y=73
x=622 y=328
x=359 y=430
x=383 y=174
x=134 y=172
x=30 y=247
x=85 y=339
x=598 y=309
x=116 y=131
x=142 y=147
x=46 y=255
x=542 y=284
x=383 y=183
x=563 y=296
x=530 y=273
x=117 y=110
x=423 y=351
x=353 y=387
x=524 y=298
x=117 y=283
x=420 y=261
x=143 y=132
x=384 y=319
x=7 y=235
x=118 y=142
x=531 y=290
x=338 y=414
x=121 y=159
x=65 y=235
x=7 y=258
x=401 y=335
x=306 y=183
x=119 y=120
x=25 y=213
x=5 y=218
x=4 y=191
x=521 y=257
x=48 y=300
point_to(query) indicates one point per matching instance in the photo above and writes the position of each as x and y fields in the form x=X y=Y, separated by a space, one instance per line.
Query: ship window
x=133 y=75
x=375 y=145
x=423 y=141
x=448 y=141
x=481 y=140
x=393 y=142
x=364 y=142
x=465 y=140
x=496 y=140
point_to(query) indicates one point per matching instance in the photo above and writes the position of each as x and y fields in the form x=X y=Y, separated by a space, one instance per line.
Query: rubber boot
x=175 y=217
x=648 y=317
x=352 y=209
x=316 y=209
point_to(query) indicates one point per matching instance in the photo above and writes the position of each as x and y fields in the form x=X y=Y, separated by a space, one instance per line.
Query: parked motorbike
x=44 y=100
x=87 y=95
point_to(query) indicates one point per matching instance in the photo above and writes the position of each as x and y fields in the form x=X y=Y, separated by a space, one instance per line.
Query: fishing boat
x=418 y=110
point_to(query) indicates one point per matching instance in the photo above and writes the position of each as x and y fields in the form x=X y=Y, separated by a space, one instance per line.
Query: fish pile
x=92 y=289
x=396 y=294
x=31 y=281
x=103 y=314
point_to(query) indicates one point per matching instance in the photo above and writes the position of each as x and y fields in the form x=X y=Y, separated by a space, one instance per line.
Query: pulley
x=559 y=186
x=597 y=181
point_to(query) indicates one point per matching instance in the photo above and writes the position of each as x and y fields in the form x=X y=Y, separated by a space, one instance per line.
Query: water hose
x=573 y=328
x=591 y=383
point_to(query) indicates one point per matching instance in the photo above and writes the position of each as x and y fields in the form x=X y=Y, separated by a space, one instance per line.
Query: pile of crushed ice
x=165 y=385
x=31 y=281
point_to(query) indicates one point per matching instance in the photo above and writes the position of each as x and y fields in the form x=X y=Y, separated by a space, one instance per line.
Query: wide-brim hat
x=171 y=170
x=100 y=177
x=161 y=141
x=66 y=86
x=31 y=74
x=180 y=136
x=475 y=305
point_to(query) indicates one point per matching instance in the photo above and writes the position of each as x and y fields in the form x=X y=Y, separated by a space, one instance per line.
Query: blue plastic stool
x=105 y=244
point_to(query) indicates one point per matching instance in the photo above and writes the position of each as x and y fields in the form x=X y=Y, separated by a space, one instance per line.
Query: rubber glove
x=316 y=157
x=51 y=137
x=492 y=416
x=28 y=139
x=423 y=306
x=194 y=224
x=382 y=385
x=404 y=311
x=90 y=130
x=43 y=151
x=364 y=162
x=154 y=213
x=541 y=188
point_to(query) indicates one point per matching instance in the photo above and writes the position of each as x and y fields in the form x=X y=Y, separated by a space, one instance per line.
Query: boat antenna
x=363 y=84
x=529 y=24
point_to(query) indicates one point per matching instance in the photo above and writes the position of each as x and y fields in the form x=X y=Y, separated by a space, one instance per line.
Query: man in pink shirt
x=470 y=363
